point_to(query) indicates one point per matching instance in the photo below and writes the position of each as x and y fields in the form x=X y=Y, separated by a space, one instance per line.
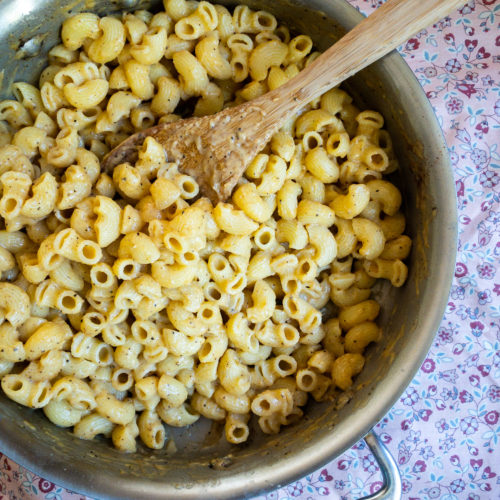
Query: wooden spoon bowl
x=217 y=149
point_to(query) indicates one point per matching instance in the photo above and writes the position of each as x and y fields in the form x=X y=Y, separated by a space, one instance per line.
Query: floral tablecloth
x=444 y=431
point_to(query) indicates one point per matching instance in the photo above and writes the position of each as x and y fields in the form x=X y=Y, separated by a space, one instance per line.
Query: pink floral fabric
x=444 y=431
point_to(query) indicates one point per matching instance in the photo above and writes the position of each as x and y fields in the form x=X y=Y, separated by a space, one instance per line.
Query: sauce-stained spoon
x=216 y=149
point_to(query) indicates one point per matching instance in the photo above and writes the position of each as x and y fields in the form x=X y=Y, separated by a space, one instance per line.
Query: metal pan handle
x=391 y=489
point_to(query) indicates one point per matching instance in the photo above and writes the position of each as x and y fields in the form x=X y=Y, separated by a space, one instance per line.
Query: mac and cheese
x=128 y=302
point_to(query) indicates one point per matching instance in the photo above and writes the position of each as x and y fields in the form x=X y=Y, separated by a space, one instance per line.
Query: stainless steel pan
x=204 y=466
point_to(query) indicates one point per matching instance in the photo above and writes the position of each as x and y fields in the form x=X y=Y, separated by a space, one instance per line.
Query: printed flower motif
x=496 y=108
x=443 y=23
x=470 y=45
x=494 y=393
x=424 y=414
x=426 y=452
x=412 y=44
x=484 y=370
x=431 y=391
x=487 y=473
x=484 y=234
x=468 y=8
x=482 y=54
x=410 y=397
x=484 y=297
x=453 y=65
x=385 y=438
x=454 y=105
x=479 y=156
x=369 y=464
x=486 y=271
x=483 y=227
x=449 y=38
x=434 y=492
x=449 y=376
x=295 y=489
x=339 y=484
x=406 y=486
x=463 y=136
x=466 y=88
x=494 y=217
x=442 y=425
x=486 y=205
x=45 y=486
x=491 y=418
x=462 y=312
x=449 y=393
x=476 y=464
x=465 y=397
x=476 y=328
x=469 y=30
x=448 y=443
x=496 y=358
x=445 y=335
x=414 y=436
x=376 y=486
x=343 y=464
x=404 y=453
x=322 y=490
x=457 y=292
x=457 y=486
x=474 y=380
x=469 y=425
x=460 y=270
x=482 y=127
x=360 y=445
x=488 y=81
x=419 y=466
x=406 y=424
x=324 y=476
x=489 y=179
x=428 y=365
x=430 y=72
x=471 y=76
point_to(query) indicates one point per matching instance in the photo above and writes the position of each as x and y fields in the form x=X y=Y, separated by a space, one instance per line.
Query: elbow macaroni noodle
x=128 y=302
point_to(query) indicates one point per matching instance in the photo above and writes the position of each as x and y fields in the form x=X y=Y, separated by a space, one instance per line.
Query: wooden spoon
x=217 y=149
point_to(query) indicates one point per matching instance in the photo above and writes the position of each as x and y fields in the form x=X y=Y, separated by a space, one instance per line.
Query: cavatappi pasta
x=128 y=302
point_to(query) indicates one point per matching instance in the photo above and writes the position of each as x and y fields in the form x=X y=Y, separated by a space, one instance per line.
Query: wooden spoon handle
x=389 y=26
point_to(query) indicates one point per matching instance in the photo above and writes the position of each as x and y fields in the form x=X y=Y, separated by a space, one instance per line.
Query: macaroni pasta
x=128 y=302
